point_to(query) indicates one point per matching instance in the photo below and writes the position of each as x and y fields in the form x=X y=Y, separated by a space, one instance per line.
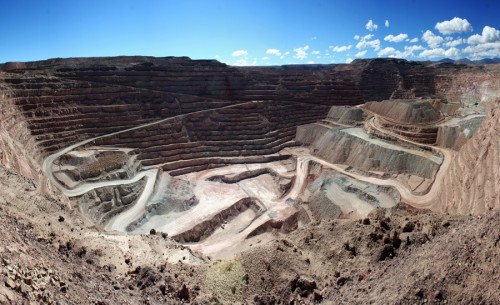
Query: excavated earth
x=142 y=180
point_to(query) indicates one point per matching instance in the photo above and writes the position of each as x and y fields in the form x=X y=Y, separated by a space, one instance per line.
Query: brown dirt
x=48 y=254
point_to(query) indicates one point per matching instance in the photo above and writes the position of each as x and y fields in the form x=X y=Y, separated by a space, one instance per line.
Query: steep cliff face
x=473 y=179
x=49 y=105
x=468 y=85
x=18 y=147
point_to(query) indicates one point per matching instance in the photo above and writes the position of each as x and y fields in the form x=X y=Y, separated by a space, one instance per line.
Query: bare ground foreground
x=143 y=180
x=400 y=256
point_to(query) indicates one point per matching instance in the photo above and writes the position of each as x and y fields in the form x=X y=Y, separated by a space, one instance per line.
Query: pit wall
x=59 y=102
x=338 y=146
x=471 y=185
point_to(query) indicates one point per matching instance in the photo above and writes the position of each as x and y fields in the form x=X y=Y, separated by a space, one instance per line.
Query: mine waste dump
x=219 y=161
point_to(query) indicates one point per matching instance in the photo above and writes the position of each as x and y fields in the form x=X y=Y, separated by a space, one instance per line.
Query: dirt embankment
x=398 y=256
x=471 y=184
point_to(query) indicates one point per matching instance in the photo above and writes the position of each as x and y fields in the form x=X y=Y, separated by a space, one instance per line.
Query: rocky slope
x=471 y=184
x=190 y=181
x=50 y=104
x=50 y=256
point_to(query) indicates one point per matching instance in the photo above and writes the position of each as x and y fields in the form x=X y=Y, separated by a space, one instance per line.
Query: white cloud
x=365 y=42
x=392 y=52
x=241 y=62
x=245 y=62
x=315 y=52
x=356 y=37
x=310 y=62
x=287 y=53
x=453 y=26
x=348 y=60
x=432 y=40
x=216 y=56
x=414 y=48
x=273 y=52
x=386 y=51
x=386 y=23
x=240 y=53
x=265 y=58
x=488 y=49
x=397 y=38
x=301 y=53
x=371 y=26
x=489 y=35
x=414 y=40
x=454 y=43
x=361 y=53
x=340 y=48
x=440 y=52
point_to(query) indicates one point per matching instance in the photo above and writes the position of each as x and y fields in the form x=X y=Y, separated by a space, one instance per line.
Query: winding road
x=121 y=221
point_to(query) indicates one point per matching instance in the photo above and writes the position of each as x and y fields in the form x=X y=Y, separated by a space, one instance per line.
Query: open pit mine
x=171 y=180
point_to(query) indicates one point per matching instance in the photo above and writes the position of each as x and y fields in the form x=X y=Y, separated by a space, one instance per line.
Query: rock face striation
x=48 y=105
x=175 y=180
x=221 y=158
x=471 y=184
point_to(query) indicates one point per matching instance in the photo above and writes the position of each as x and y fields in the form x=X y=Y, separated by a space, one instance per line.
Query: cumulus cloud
x=386 y=51
x=414 y=40
x=361 y=53
x=488 y=49
x=356 y=37
x=348 y=60
x=241 y=62
x=489 y=34
x=397 y=38
x=453 y=26
x=287 y=53
x=386 y=23
x=440 y=52
x=301 y=53
x=245 y=62
x=315 y=52
x=454 y=43
x=393 y=53
x=414 y=48
x=240 y=53
x=273 y=52
x=340 y=48
x=310 y=62
x=365 y=42
x=371 y=26
x=432 y=40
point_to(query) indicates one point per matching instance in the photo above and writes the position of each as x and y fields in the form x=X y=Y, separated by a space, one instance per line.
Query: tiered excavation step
x=54 y=103
x=334 y=195
x=354 y=147
x=411 y=119
x=244 y=133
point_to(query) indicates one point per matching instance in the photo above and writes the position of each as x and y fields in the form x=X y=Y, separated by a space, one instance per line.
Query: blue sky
x=251 y=32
